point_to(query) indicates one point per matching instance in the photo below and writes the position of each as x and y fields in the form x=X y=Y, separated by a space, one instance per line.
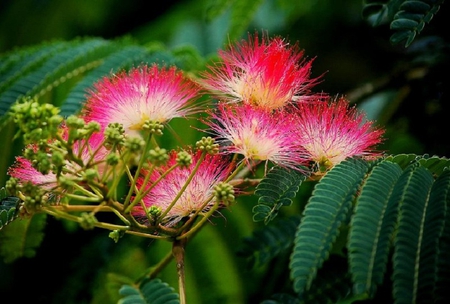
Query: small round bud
x=158 y=156
x=207 y=144
x=134 y=144
x=114 y=134
x=58 y=159
x=112 y=159
x=154 y=127
x=11 y=186
x=90 y=174
x=154 y=212
x=75 y=122
x=224 y=192
x=116 y=235
x=88 y=221
x=184 y=159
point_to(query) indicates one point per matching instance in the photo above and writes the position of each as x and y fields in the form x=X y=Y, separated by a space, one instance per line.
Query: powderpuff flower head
x=143 y=94
x=257 y=134
x=332 y=131
x=213 y=170
x=269 y=74
x=24 y=171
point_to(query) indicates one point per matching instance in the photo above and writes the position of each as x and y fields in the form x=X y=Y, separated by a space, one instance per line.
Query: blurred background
x=404 y=89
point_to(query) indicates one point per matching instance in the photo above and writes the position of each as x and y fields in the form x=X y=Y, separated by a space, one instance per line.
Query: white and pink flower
x=257 y=135
x=332 y=131
x=142 y=94
x=212 y=170
x=269 y=74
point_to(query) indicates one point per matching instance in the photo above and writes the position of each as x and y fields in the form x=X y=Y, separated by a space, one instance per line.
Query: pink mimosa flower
x=142 y=94
x=257 y=134
x=212 y=170
x=23 y=170
x=332 y=131
x=269 y=74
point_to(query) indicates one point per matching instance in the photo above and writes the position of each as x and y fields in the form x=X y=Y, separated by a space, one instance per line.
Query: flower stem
x=178 y=253
x=191 y=176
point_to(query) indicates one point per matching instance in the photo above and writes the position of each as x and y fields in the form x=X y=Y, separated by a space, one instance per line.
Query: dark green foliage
x=76 y=57
x=269 y=241
x=276 y=190
x=406 y=17
x=410 y=241
x=372 y=226
x=327 y=209
x=9 y=210
x=22 y=237
x=443 y=249
x=434 y=164
x=39 y=69
x=149 y=292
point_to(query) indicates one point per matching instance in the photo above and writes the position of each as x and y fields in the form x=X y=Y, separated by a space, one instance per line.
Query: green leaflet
x=407 y=18
x=277 y=189
x=409 y=240
x=149 y=292
x=9 y=210
x=372 y=226
x=326 y=210
x=22 y=237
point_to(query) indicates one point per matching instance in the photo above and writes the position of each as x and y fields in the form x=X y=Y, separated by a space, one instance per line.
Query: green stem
x=178 y=253
x=191 y=176
x=138 y=171
x=199 y=224
x=153 y=271
x=144 y=193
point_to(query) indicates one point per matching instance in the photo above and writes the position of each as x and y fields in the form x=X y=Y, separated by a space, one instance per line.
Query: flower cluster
x=266 y=113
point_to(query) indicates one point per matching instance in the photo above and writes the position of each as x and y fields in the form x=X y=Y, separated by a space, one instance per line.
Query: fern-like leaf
x=21 y=238
x=9 y=210
x=277 y=189
x=21 y=62
x=79 y=57
x=122 y=58
x=416 y=211
x=327 y=208
x=150 y=291
x=411 y=18
x=371 y=228
x=441 y=293
x=375 y=12
x=433 y=255
x=434 y=164
x=268 y=242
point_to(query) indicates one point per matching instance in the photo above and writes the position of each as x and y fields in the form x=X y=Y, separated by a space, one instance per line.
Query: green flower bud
x=134 y=144
x=114 y=134
x=90 y=174
x=12 y=186
x=207 y=144
x=184 y=159
x=112 y=159
x=65 y=183
x=88 y=221
x=75 y=122
x=58 y=159
x=92 y=126
x=116 y=235
x=153 y=127
x=224 y=192
x=158 y=156
x=42 y=163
